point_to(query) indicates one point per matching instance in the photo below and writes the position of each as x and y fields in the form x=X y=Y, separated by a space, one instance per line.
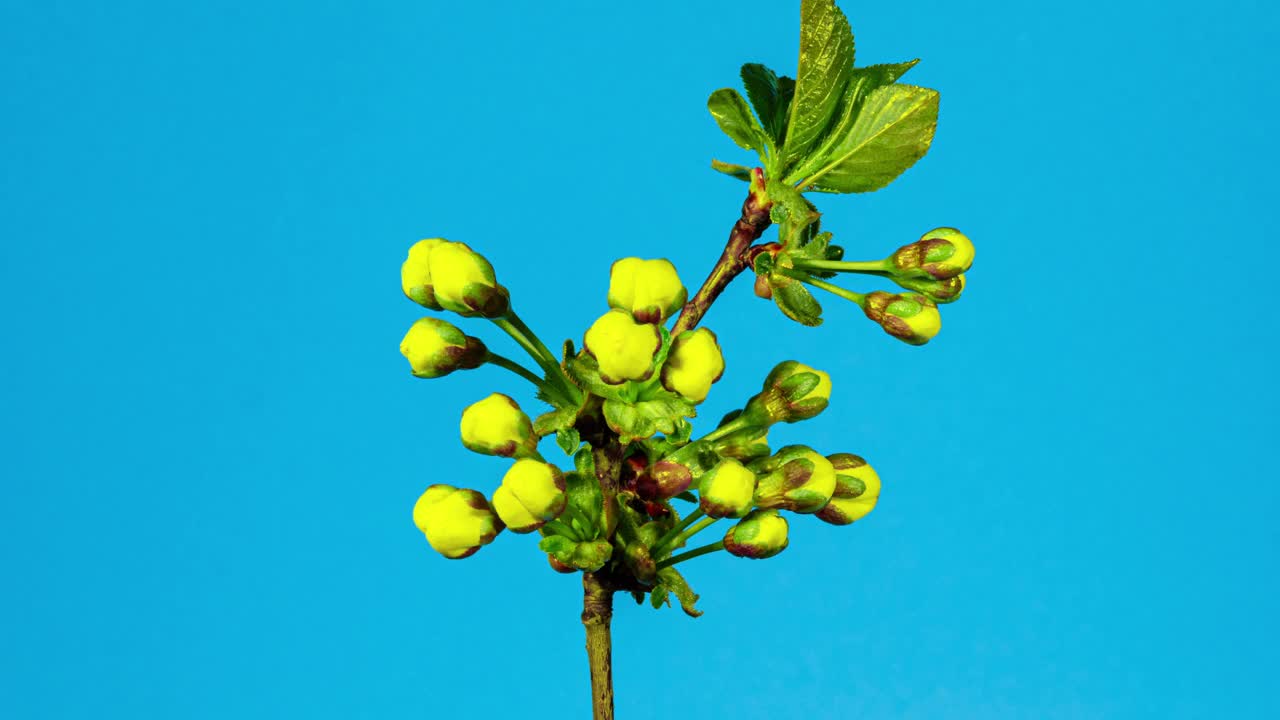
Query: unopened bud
x=415 y=273
x=857 y=490
x=761 y=534
x=664 y=479
x=795 y=478
x=693 y=364
x=456 y=522
x=623 y=348
x=912 y=318
x=435 y=348
x=939 y=254
x=532 y=494
x=559 y=566
x=463 y=281
x=648 y=289
x=497 y=426
x=792 y=392
x=727 y=490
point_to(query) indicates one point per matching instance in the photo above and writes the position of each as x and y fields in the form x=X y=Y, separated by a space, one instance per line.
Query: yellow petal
x=495 y=425
x=695 y=362
x=623 y=348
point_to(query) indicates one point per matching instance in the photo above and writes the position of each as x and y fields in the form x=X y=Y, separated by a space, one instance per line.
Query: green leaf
x=741 y=172
x=589 y=556
x=862 y=81
x=670 y=579
x=557 y=545
x=795 y=301
x=555 y=421
x=646 y=418
x=585 y=501
x=586 y=372
x=893 y=130
x=826 y=62
x=770 y=97
x=791 y=211
x=568 y=439
x=735 y=119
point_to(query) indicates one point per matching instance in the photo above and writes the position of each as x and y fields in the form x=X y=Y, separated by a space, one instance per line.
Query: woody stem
x=597 y=616
x=749 y=227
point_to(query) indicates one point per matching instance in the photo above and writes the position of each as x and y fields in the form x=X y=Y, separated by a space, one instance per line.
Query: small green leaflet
x=735 y=119
x=741 y=172
x=893 y=130
x=770 y=96
x=555 y=421
x=645 y=418
x=568 y=439
x=671 y=580
x=826 y=62
x=795 y=301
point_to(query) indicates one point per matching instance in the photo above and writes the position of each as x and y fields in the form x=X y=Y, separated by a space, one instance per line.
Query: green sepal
x=645 y=418
x=735 y=120
x=798 y=385
x=741 y=172
x=671 y=580
x=659 y=596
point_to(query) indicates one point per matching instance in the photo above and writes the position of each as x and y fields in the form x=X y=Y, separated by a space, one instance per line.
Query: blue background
x=211 y=445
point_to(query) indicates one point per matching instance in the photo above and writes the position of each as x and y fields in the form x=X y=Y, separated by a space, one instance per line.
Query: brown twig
x=736 y=256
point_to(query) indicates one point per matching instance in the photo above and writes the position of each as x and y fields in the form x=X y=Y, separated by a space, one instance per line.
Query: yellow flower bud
x=727 y=490
x=532 y=494
x=464 y=282
x=456 y=522
x=415 y=273
x=857 y=490
x=623 y=347
x=648 y=289
x=939 y=254
x=497 y=426
x=795 y=478
x=761 y=534
x=912 y=318
x=435 y=348
x=792 y=392
x=694 y=363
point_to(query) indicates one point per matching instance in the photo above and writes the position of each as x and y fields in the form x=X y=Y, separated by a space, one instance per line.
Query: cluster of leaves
x=835 y=128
